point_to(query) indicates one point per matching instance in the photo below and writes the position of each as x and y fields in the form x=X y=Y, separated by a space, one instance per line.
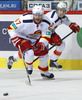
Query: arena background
x=71 y=58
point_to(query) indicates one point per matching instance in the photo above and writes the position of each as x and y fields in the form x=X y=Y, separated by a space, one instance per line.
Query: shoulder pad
x=46 y=20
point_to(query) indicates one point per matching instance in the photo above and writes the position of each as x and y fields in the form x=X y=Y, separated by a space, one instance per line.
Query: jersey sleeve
x=16 y=28
x=67 y=21
x=47 y=31
x=46 y=34
x=45 y=38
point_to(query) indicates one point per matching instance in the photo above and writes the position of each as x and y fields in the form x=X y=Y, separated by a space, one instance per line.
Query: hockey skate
x=29 y=69
x=50 y=76
x=10 y=62
x=54 y=64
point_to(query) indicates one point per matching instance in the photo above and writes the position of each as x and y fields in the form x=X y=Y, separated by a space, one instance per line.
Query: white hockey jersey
x=24 y=27
x=53 y=16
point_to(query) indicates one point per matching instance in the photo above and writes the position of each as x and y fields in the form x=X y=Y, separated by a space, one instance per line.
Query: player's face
x=61 y=12
x=37 y=18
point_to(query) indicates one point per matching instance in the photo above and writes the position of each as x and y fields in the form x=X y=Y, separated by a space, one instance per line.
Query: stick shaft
x=25 y=65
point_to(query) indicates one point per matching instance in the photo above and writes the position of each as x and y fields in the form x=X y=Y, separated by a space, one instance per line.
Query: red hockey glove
x=39 y=47
x=16 y=41
x=75 y=27
x=56 y=40
x=22 y=42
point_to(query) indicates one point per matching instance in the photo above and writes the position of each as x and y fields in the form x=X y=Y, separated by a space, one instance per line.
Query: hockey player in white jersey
x=31 y=32
x=59 y=17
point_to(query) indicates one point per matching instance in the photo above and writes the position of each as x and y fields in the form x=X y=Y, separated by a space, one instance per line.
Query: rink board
x=68 y=64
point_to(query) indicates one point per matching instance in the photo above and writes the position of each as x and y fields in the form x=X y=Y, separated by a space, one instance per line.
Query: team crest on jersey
x=36 y=32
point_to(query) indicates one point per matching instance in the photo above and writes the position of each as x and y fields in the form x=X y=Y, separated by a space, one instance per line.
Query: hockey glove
x=56 y=40
x=22 y=42
x=16 y=41
x=39 y=47
x=74 y=27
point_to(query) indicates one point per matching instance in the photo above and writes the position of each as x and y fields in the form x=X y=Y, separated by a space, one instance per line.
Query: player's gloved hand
x=74 y=27
x=39 y=47
x=16 y=41
x=56 y=40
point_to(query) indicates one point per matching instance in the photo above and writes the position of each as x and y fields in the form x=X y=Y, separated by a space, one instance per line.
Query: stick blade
x=27 y=83
x=79 y=38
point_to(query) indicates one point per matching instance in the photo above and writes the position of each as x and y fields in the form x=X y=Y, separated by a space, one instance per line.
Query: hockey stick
x=56 y=44
x=29 y=81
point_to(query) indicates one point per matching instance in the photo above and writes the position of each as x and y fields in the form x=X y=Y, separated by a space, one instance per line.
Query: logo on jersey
x=36 y=32
x=48 y=33
x=14 y=26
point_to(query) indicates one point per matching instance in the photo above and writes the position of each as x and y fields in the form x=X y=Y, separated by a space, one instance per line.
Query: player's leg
x=44 y=68
x=56 y=54
x=26 y=49
x=13 y=58
x=28 y=53
x=29 y=57
x=16 y=41
x=55 y=39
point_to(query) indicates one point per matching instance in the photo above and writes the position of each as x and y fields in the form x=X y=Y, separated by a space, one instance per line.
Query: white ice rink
x=66 y=86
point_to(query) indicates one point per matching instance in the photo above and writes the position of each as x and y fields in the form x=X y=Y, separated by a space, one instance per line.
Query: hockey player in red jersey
x=59 y=17
x=30 y=32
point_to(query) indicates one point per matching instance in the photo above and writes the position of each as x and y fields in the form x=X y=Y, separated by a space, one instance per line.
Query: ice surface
x=66 y=86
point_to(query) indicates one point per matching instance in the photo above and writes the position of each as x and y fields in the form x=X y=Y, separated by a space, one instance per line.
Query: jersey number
x=17 y=21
